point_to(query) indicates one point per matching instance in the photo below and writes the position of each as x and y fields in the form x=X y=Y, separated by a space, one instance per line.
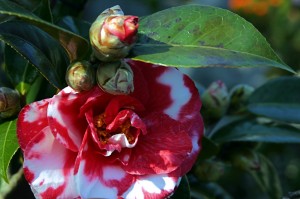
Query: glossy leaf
x=21 y=73
x=35 y=88
x=202 y=36
x=251 y=130
x=4 y=81
x=27 y=4
x=8 y=146
x=38 y=48
x=74 y=44
x=41 y=8
x=224 y=121
x=278 y=99
x=76 y=26
x=183 y=191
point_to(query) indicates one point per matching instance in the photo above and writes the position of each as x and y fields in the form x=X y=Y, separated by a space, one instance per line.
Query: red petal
x=196 y=138
x=65 y=120
x=48 y=167
x=121 y=102
x=32 y=119
x=97 y=176
x=172 y=109
x=170 y=91
x=162 y=150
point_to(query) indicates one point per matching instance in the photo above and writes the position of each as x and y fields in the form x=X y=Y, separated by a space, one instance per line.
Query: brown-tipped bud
x=239 y=96
x=9 y=102
x=80 y=76
x=115 y=78
x=112 y=34
x=215 y=100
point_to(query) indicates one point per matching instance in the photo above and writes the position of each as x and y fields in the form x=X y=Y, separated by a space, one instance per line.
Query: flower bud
x=112 y=34
x=209 y=170
x=115 y=77
x=80 y=76
x=246 y=160
x=239 y=96
x=215 y=100
x=9 y=102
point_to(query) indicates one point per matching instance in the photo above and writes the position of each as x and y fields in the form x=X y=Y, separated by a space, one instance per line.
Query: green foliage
x=4 y=81
x=209 y=190
x=250 y=129
x=38 y=48
x=19 y=71
x=43 y=10
x=261 y=169
x=8 y=145
x=67 y=8
x=76 y=26
x=201 y=36
x=209 y=149
x=278 y=99
x=75 y=45
x=40 y=8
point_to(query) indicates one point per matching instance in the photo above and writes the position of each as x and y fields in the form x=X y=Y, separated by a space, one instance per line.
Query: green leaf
x=211 y=190
x=202 y=36
x=261 y=169
x=183 y=191
x=76 y=26
x=39 y=7
x=35 y=88
x=75 y=45
x=68 y=8
x=4 y=81
x=278 y=99
x=20 y=72
x=38 y=48
x=8 y=146
x=30 y=5
x=43 y=10
x=208 y=149
x=251 y=130
x=224 y=121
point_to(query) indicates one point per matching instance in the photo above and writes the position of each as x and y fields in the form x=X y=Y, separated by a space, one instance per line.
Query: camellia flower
x=112 y=34
x=94 y=144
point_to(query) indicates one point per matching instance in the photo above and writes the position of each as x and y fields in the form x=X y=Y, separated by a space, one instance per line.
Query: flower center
x=104 y=133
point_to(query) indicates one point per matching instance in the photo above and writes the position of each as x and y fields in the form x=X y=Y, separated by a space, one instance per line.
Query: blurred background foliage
x=233 y=169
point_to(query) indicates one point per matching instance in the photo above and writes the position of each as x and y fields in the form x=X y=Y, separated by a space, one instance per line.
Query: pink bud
x=112 y=35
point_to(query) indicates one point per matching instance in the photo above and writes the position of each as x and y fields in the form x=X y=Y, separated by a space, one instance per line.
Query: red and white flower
x=97 y=145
